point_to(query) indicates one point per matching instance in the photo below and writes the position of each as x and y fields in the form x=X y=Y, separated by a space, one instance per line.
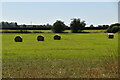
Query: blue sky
x=95 y=13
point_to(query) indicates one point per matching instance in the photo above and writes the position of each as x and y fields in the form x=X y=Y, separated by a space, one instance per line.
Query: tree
x=8 y=25
x=58 y=27
x=103 y=26
x=13 y=25
x=113 y=28
x=5 y=24
x=48 y=26
x=24 y=26
x=16 y=25
x=91 y=26
x=77 y=26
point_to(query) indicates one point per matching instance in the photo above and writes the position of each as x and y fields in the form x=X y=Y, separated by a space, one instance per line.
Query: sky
x=119 y=11
x=59 y=0
x=96 y=13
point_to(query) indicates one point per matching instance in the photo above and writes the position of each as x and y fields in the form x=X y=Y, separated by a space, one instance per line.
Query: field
x=86 y=55
x=49 y=31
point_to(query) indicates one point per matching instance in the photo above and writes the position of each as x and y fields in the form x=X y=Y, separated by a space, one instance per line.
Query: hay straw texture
x=40 y=38
x=18 y=39
x=110 y=35
x=57 y=37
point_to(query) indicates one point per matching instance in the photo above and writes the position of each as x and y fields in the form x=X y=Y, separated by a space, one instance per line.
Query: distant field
x=49 y=31
x=87 y=55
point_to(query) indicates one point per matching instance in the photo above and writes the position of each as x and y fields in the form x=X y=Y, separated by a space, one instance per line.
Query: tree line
x=76 y=26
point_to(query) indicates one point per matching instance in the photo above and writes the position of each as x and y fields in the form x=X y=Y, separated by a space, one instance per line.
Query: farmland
x=76 y=55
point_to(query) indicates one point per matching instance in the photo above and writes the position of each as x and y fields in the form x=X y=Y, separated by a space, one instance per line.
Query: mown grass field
x=86 y=55
x=49 y=31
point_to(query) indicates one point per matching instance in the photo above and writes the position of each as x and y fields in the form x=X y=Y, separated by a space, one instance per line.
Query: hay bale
x=110 y=35
x=57 y=37
x=40 y=38
x=18 y=39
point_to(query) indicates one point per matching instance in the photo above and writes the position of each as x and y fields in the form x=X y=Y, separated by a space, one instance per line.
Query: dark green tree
x=77 y=26
x=48 y=26
x=5 y=24
x=8 y=25
x=113 y=28
x=91 y=26
x=13 y=25
x=24 y=26
x=58 y=27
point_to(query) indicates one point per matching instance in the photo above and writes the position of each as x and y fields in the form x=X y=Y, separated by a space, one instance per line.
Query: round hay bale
x=57 y=37
x=40 y=38
x=110 y=35
x=18 y=39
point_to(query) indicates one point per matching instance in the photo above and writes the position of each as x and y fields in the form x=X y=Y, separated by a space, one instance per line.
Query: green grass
x=76 y=55
x=50 y=31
